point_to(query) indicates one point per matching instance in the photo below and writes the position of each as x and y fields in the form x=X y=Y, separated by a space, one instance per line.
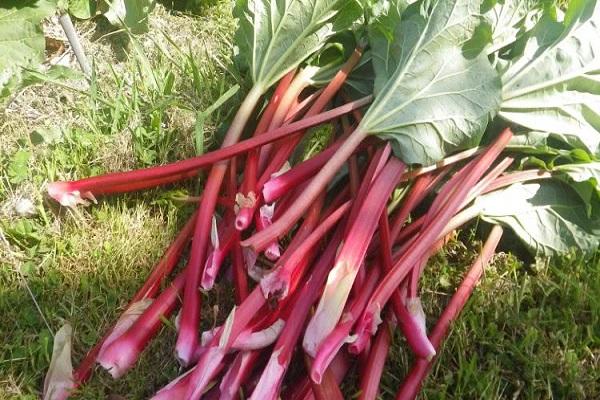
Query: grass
x=530 y=331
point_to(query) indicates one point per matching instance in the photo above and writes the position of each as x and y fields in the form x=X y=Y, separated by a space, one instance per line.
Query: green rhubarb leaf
x=431 y=97
x=585 y=180
x=22 y=41
x=132 y=14
x=509 y=20
x=82 y=9
x=548 y=216
x=275 y=36
x=554 y=86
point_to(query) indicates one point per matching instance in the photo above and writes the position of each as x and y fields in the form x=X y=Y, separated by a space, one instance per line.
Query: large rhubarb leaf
x=275 y=36
x=554 y=86
x=548 y=216
x=21 y=39
x=432 y=98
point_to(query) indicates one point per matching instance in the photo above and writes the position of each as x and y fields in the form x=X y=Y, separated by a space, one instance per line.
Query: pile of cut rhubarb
x=427 y=115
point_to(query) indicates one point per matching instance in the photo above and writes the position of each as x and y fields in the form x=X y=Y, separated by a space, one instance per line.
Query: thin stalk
x=327 y=388
x=412 y=383
x=369 y=380
x=422 y=186
x=187 y=338
x=73 y=38
x=239 y=371
x=239 y=272
x=515 y=177
x=73 y=192
x=450 y=160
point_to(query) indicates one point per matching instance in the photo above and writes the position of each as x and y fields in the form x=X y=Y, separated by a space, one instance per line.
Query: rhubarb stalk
x=352 y=253
x=73 y=193
x=412 y=383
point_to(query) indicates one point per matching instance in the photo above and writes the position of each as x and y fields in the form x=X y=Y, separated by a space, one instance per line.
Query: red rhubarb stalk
x=279 y=185
x=327 y=388
x=371 y=376
x=74 y=192
x=351 y=255
x=341 y=334
x=413 y=382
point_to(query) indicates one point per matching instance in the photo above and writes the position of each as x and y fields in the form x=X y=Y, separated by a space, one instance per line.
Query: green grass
x=530 y=331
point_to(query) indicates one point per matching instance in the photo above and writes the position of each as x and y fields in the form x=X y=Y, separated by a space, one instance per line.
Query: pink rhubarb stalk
x=242 y=366
x=351 y=255
x=222 y=240
x=122 y=353
x=341 y=334
x=176 y=389
x=281 y=184
x=412 y=383
x=371 y=376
